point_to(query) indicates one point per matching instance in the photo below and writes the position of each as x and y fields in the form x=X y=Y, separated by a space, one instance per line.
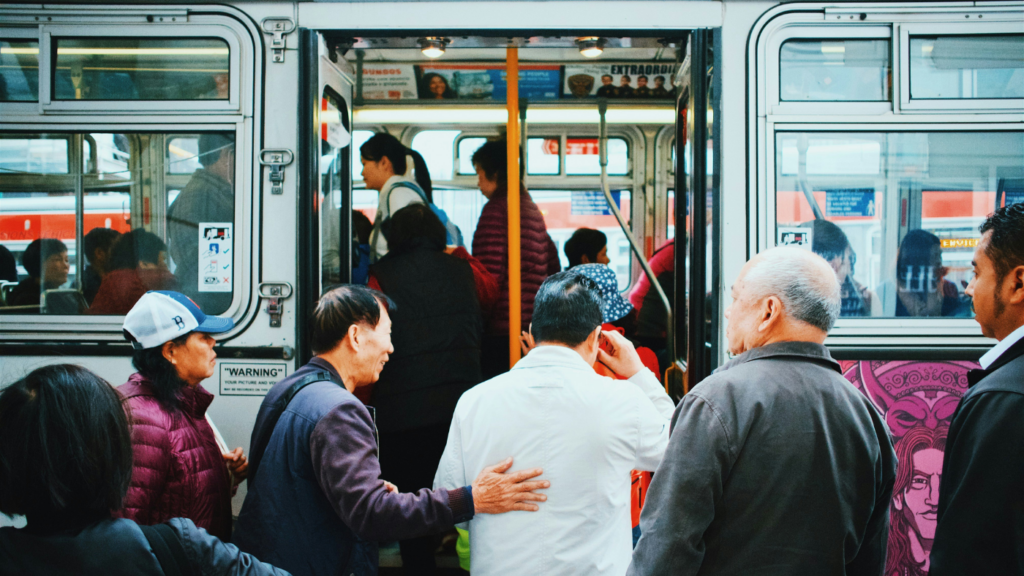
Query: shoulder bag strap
x=263 y=439
x=168 y=548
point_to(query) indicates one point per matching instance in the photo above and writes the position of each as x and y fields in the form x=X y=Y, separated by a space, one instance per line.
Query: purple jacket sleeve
x=346 y=467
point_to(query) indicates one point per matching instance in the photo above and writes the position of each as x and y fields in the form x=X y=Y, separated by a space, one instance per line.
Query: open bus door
x=324 y=160
x=697 y=258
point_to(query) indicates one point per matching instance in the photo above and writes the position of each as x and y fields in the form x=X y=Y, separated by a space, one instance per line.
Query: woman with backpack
x=386 y=168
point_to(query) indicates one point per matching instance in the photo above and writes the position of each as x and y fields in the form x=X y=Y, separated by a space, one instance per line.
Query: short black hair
x=341 y=307
x=584 y=241
x=829 y=241
x=134 y=247
x=65 y=446
x=39 y=251
x=492 y=158
x=99 y=238
x=567 y=309
x=384 y=145
x=1006 y=246
x=361 y=226
x=213 y=145
x=641 y=76
x=411 y=223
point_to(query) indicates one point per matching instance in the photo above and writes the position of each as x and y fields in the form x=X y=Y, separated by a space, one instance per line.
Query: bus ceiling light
x=433 y=46
x=590 y=46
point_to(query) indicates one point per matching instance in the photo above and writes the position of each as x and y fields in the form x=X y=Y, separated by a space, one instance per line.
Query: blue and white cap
x=161 y=316
x=615 y=306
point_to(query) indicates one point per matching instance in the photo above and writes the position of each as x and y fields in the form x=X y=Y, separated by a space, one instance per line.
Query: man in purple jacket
x=316 y=504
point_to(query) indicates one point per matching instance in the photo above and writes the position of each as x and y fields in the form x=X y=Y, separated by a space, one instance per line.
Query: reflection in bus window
x=141 y=69
x=834 y=71
x=582 y=157
x=19 y=70
x=897 y=213
x=334 y=173
x=37 y=202
x=944 y=67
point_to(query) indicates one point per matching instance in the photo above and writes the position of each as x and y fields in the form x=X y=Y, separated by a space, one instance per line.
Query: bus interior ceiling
x=447 y=104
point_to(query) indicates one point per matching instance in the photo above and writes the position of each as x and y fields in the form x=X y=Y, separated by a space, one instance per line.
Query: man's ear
x=771 y=311
x=354 y=337
x=595 y=337
x=1016 y=281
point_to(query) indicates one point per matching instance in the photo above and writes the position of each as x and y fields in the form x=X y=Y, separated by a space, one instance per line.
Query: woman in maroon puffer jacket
x=178 y=470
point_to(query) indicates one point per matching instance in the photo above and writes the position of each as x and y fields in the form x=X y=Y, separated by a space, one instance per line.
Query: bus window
x=19 y=70
x=542 y=156
x=897 y=214
x=141 y=69
x=834 y=71
x=438 y=150
x=959 y=67
x=334 y=178
x=359 y=137
x=182 y=234
x=467 y=146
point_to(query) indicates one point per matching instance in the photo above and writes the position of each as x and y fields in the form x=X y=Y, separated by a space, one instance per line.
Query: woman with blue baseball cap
x=179 y=470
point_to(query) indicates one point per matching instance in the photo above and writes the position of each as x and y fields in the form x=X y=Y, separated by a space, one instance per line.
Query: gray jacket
x=117 y=547
x=776 y=465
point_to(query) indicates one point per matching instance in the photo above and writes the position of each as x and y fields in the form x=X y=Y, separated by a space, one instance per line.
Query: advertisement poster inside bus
x=487 y=81
x=619 y=80
x=389 y=82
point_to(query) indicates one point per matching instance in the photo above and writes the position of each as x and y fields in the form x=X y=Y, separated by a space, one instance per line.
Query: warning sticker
x=216 y=256
x=250 y=379
x=795 y=236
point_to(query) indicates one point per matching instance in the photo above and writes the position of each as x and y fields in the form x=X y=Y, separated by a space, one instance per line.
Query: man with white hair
x=776 y=464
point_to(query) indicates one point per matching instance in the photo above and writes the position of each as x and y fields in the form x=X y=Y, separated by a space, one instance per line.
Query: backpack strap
x=410 y=186
x=168 y=548
x=263 y=437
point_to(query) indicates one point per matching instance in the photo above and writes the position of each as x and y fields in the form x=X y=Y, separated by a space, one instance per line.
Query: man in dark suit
x=981 y=503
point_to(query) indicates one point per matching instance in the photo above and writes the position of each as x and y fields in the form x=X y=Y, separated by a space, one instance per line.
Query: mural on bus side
x=917 y=400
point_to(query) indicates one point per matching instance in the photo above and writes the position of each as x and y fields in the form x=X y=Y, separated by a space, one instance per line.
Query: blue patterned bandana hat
x=615 y=306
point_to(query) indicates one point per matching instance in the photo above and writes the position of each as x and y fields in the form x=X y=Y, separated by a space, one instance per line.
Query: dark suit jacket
x=981 y=495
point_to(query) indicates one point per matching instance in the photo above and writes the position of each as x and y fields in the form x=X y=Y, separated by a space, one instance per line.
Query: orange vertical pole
x=515 y=301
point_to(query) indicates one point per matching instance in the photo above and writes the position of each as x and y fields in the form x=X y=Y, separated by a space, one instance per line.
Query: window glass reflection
x=835 y=71
x=19 y=71
x=896 y=214
x=945 y=67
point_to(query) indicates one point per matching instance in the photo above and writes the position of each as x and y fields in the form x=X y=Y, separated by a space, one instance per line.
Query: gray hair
x=804 y=282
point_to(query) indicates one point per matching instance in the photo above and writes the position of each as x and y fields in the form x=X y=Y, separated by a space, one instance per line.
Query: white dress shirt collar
x=992 y=355
x=548 y=355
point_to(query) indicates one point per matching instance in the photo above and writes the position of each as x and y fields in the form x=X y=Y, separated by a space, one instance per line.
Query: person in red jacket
x=539 y=256
x=138 y=263
x=179 y=470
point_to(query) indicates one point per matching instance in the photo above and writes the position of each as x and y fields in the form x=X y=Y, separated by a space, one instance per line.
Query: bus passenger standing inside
x=386 y=169
x=209 y=196
x=179 y=471
x=99 y=244
x=490 y=245
x=436 y=331
x=587 y=246
x=981 y=506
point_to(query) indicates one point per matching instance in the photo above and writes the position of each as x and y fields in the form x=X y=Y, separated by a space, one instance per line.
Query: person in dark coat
x=46 y=261
x=539 y=256
x=436 y=331
x=776 y=464
x=66 y=453
x=317 y=504
x=981 y=502
x=137 y=264
x=209 y=196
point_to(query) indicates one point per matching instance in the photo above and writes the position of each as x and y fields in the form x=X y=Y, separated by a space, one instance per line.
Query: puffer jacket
x=539 y=256
x=178 y=469
x=119 y=548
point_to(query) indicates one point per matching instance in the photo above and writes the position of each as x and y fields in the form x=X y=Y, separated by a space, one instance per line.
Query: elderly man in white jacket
x=586 y=431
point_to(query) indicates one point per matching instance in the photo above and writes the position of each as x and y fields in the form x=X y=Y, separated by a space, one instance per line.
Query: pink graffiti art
x=917 y=400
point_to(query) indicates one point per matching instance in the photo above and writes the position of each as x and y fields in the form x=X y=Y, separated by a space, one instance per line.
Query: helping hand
x=495 y=492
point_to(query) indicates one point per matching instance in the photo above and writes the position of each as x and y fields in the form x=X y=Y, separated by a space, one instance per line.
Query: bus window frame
x=222 y=29
x=926 y=105
x=773 y=65
x=664 y=179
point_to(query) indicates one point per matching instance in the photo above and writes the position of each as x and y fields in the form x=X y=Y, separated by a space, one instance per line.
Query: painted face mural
x=917 y=400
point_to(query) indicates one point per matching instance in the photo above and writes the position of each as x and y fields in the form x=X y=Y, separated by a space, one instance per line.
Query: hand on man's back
x=495 y=492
